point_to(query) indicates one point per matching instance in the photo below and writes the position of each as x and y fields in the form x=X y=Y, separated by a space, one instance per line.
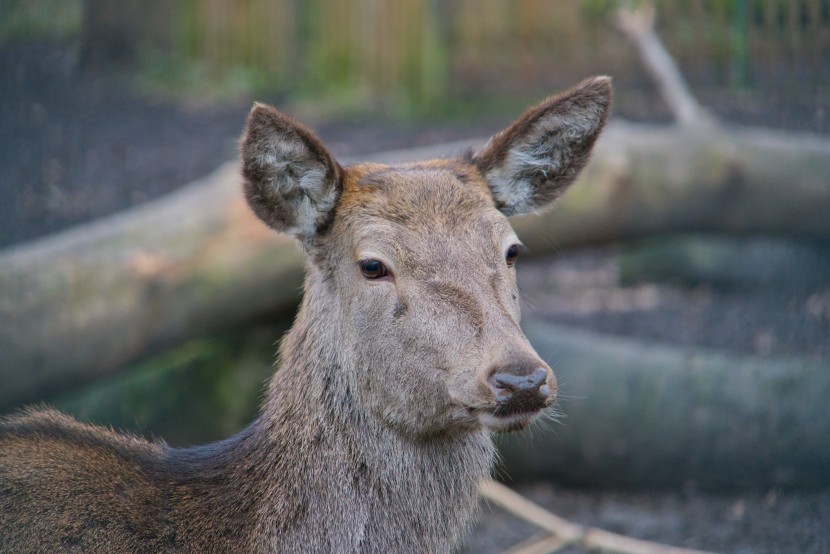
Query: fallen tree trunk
x=84 y=303
x=88 y=301
x=646 y=414
x=662 y=179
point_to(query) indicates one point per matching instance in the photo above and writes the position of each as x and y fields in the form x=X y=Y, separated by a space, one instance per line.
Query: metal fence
x=763 y=61
x=747 y=55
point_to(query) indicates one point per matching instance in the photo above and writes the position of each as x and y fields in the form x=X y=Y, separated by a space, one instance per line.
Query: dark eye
x=512 y=255
x=372 y=269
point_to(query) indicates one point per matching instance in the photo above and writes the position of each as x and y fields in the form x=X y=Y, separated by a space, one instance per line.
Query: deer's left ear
x=532 y=162
x=291 y=181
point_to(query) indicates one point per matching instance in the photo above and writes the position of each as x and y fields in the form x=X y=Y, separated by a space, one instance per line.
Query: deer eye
x=372 y=269
x=512 y=255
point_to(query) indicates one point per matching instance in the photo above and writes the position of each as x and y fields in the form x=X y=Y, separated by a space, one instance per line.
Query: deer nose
x=510 y=387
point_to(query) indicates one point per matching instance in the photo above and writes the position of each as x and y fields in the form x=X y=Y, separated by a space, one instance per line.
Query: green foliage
x=346 y=58
x=598 y=10
x=174 y=75
x=55 y=19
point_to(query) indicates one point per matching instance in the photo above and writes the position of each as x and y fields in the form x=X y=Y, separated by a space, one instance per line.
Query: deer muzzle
x=520 y=392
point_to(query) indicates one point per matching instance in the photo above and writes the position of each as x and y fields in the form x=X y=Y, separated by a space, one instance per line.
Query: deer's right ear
x=532 y=162
x=291 y=181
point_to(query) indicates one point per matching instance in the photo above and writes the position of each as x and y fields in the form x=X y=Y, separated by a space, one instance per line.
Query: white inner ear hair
x=300 y=179
x=539 y=159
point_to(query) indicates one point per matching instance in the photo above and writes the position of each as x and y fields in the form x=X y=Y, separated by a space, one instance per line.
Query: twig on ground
x=533 y=513
x=638 y=25
x=571 y=533
x=540 y=543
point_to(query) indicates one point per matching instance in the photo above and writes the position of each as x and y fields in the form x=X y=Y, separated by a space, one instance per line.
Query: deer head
x=411 y=292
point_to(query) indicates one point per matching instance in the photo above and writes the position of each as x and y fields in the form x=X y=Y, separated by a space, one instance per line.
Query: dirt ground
x=75 y=148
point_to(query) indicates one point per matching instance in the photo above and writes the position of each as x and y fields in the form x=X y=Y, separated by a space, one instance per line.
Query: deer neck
x=365 y=484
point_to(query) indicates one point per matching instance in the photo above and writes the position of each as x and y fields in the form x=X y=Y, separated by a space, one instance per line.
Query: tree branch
x=571 y=533
x=540 y=543
x=638 y=25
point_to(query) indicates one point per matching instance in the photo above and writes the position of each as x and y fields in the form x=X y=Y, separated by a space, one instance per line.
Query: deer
x=405 y=357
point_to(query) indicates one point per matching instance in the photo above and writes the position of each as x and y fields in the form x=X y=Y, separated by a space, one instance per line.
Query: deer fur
x=377 y=423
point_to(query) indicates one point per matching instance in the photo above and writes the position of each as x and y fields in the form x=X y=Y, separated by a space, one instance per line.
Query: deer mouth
x=506 y=417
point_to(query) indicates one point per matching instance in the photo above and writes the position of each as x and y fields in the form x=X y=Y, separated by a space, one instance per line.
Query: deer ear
x=291 y=181
x=532 y=162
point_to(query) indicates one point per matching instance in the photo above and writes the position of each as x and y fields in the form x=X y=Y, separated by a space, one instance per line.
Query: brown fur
x=377 y=423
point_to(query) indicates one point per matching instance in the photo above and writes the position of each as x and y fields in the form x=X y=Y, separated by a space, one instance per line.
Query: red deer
x=405 y=356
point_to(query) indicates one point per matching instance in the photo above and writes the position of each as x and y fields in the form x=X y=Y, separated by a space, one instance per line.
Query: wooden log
x=86 y=302
x=747 y=264
x=81 y=304
x=647 y=180
x=644 y=414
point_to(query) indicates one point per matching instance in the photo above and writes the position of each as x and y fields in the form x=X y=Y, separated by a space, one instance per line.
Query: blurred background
x=97 y=91
x=681 y=291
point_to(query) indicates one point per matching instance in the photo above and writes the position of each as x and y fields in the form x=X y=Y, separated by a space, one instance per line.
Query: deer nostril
x=538 y=377
x=502 y=394
x=505 y=385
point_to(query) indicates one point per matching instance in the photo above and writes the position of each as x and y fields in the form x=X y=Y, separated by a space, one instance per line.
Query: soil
x=78 y=147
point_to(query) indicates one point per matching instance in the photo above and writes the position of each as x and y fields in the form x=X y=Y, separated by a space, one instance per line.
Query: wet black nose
x=521 y=390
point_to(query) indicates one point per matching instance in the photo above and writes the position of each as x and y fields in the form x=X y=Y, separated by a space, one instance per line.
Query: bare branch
x=541 y=543
x=572 y=533
x=533 y=513
x=637 y=23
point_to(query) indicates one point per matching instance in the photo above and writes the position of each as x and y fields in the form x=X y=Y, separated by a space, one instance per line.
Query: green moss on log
x=203 y=390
